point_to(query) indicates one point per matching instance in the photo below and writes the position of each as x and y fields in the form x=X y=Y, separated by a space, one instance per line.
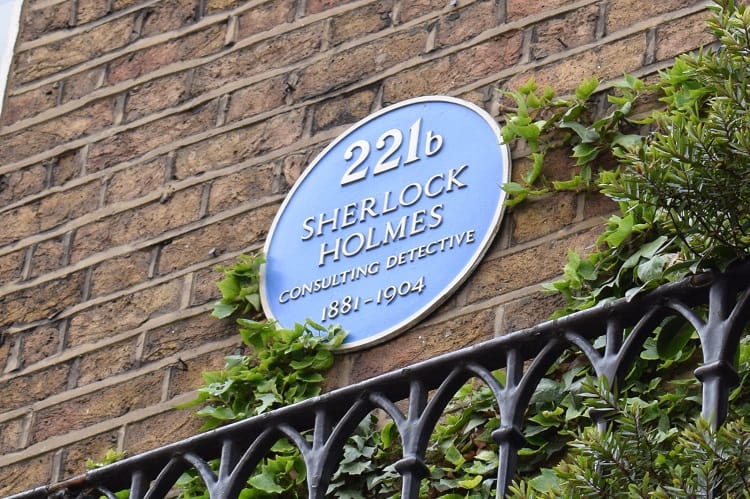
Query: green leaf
x=220 y=413
x=229 y=287
x=254 y=300
x=586 y=134
x=546 y=482
x=585 y=153
x=536 y=169
x=627 y=140
x=388 y=434
x=573 y=184
x=621 y=232
x=674 y=335
x=652 y=269
x=586 y=88
x=470 y=483
x=528 y=87
x=221 y=310
x=453 y=456
x=266 y=482
x=514 y=188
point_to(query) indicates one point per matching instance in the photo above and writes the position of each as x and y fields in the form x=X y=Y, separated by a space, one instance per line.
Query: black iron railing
x=424 y=390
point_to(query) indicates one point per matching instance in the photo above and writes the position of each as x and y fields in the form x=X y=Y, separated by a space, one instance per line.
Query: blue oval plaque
x=388 y=220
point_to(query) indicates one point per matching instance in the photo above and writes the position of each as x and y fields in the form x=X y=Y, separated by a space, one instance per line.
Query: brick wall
x=143 y=142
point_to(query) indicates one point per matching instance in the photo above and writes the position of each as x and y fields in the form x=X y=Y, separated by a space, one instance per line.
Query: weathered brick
x=204 y=287
x=516 y=9
x=359 y=62
x=26 y=474
x=607 y=61
x=529 y=311
x=231 y=234
x=45 y=60
x=425 y=79
x=148 y=434
x=107 y=362
x=124 y=4
x=482 y=97
x=66 y=166
x=344 y=109
x=136 y=181
x=47 y=299
x=422 y=343
x=21 y=183
x=621 y=14
x=48 y=255
x=416 y=8
x=185 y=335
x=448 y=73
x=264 y=17
x=462 y=24
x=502 y=275
x=486 y=58
x=136 y=225
x=534 y=219
x=140 y=140
x=93 y=448
x=214 y=6
x=40 y=20
x=9 y=358
x=31 y=103
x=317 y=6
x=275 y=52
x=239 y=145
x=66 y=205
x=33 y=387
x=293 y=165
x=40 y=343
x=11 y=435
x=82 y=83
x=362 y=21
x=156 y=95
x=679 y=36
x=118 y=273
x=11 y=266
x=90 y=10
x=198 y=44
x=258 y=98
x=168 y=15
x=598 y=205
x=571 y=30
x=19 y=223
x=43 y=136
x=123 y=313
x=188 y=374
x=101 y=405
x=251 y=183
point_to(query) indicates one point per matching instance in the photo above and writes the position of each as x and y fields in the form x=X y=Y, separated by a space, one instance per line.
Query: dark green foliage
x=240 y=288
x=682 y=187
x=284 y=366
x=639 y=454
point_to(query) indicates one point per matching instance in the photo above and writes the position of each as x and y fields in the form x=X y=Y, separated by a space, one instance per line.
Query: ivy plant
x=284 y=366
x=240 y=288
x=680 y=186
